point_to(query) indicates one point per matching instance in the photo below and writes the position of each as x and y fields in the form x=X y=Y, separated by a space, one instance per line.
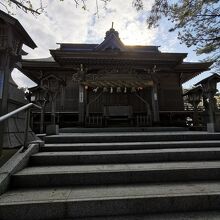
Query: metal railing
x=26 y=107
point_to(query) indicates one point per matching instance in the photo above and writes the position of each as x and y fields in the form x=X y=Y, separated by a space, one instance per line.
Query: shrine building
x=111 y=84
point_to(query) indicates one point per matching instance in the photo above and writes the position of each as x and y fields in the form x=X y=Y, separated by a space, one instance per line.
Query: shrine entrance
x=118 y=100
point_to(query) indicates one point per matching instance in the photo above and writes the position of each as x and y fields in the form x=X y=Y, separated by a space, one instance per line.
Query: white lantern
x=118 y=89
x=105 y=89
x=133 y=89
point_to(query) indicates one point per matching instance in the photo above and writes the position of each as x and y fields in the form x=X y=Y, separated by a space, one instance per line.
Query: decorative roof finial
x=112 y=25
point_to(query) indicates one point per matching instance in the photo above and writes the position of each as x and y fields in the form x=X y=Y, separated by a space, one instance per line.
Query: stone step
x=124 y=156
x=130 y=137
x=208 y=215
x=137 y=199
x=128 y=145
x=120 y=129
x=48 y=176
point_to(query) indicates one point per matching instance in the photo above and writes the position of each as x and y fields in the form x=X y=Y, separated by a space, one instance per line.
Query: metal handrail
x=26 y=107
x=10 y=114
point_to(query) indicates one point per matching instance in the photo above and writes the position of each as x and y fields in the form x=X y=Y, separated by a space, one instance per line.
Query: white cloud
x=130 y=24
x=63 y=22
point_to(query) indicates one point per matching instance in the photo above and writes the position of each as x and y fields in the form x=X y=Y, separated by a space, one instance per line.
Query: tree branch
x=25 y=8
x=5 y=7
x=205 y=15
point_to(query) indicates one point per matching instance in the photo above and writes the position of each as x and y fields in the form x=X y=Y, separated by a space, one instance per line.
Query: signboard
x=1 y=82
x=80 y=97
x=155 y=96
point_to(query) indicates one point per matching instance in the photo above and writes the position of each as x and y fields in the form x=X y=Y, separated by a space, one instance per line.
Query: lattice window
x=16 y=46
x=3 y=36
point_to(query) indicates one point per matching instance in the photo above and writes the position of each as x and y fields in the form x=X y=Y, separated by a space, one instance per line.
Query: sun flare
x=136 y=34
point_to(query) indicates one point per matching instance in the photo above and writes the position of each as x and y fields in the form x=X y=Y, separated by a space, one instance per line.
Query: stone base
x=52 y=129
x=211 y=127
x=217 y=121
x=214 y=127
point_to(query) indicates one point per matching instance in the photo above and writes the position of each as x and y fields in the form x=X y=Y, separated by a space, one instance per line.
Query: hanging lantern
x=125 y=90
x=86 y=87
x=96 y=89
x=154 y=68
x=105 y=89
x=111 y=90
x=133 y=89
x=118 y=89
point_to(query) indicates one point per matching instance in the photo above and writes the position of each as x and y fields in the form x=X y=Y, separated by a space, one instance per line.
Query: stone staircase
x=119 y=175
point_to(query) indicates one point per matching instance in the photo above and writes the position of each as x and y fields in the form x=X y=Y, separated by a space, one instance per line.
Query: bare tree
x=38 y=7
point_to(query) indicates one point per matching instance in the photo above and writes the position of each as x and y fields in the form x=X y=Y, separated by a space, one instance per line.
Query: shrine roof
x=47 y=59
x=76 y=47
x=111 y=51
x=194 y=65
x=92 y=47
x=189 y=70
x=19 y=28
x=214 y=76
x=193 y=90
x=111 y=42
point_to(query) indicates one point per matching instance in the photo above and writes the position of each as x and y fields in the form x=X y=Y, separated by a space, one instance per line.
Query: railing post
x=1 y=137
x=27 y=121
x=42 y=120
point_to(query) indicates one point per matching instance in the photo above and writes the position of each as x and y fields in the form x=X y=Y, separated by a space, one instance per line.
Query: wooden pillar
x=53 y=110
x=211 y=119
x=6 y=66
x=80 y=77
x=155 y=106
x=4 y=77
x=42 y=118
x=81 y=105
x=62 y=97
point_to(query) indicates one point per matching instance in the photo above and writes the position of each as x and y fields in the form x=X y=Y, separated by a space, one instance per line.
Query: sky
x=63 y=22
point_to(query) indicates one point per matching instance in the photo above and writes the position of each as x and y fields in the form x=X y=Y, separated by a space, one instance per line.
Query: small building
x=112 y=84
x=12 y=38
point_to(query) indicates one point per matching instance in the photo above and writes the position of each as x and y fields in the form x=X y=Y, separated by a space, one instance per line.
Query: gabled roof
x=214 y=76
x=111 y=42
x=189 y=70
x=113 y=52
x=194 y=90
x=19 y=28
